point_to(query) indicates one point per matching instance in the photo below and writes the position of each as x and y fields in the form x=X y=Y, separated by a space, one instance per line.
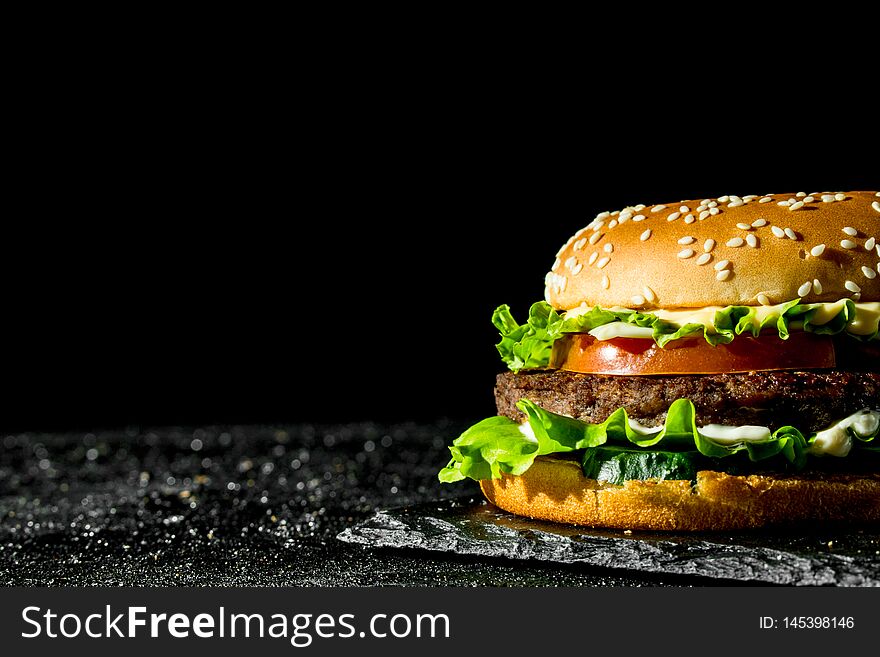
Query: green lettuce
x=530 y=345
x=497 y=445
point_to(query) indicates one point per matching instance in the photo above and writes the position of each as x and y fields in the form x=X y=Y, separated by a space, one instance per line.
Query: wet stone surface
x=262 y=506
x=238 y=506
x=841 y=557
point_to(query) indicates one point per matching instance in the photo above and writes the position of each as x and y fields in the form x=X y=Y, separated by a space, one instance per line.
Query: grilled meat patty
x=808 y=400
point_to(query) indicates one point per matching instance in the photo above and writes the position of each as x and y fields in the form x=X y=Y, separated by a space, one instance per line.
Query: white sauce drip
x=726 y=435
x=621 y=330
x=643 y=430
x=836 y=441
x=526 y=429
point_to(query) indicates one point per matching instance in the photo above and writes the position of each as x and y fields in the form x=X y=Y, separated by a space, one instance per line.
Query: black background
x=335 y=253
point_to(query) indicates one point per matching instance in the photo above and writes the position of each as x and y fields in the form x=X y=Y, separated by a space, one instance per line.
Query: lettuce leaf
x=497 y=445
x=530 y=345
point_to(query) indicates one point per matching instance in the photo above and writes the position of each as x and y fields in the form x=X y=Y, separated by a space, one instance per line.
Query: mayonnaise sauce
x=866 y=321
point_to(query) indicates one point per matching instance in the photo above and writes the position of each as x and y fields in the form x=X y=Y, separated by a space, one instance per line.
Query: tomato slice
x=581 y=352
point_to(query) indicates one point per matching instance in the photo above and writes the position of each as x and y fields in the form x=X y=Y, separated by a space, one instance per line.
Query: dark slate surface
x=262 y=506
x=848 y=557
x=246 y=506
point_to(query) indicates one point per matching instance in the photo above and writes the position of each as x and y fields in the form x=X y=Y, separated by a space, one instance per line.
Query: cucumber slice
x=617 y=464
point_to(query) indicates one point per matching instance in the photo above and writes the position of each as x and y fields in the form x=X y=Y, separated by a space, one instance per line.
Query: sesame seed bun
x=556 y=489
x=751 y=250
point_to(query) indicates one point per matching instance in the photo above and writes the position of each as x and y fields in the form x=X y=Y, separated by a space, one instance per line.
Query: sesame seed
x=876 y=205
x=702 y=207
x=609 y=248
x=750 y=197
x=571 y=262
x=703 y=214
x=707 y=201
x=644 y=236
x=735 y=204
x=735 y=241
x=777 y=231
x=604 y=261
x=868 y=272
x=804 y=289
x=766 y=199
x=703 y=259
x=790 y=234
x=847 y=244
x=783 y=203
x=869 y=244
x=673 y=216
x=595 y=237
x=592 y=259
x=723 y=275
x=808 y=199
x=857 y=296
x=684 y=210
x=689 y=219
x=852 y=287
x=723 y=199
x=721 y=264
x=828 y=198
x=801 y=194
x=752 y=241
x=606 y=283
x=796 y=206
x=762 y=299
x=577 y=269
x=638 y=300
x=639 y=217
x=686 y=253
x=841 y=197
x=649 y=294
x=711 y=204
x=817 y=286
x=563 y=281
x=708 y=245
x=849 y=230
x=580 y=244
x=603 y=215
x=599 y=226
x=687 y=240
x=624 y=217
x=877 y=194
x=817 y=250
x=556 y=264
x=759 y=223
x=744 y=226
x=714 y=211
x=657 y=208
x=612 y=224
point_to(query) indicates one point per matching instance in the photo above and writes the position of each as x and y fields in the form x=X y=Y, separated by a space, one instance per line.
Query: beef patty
x=808 y=400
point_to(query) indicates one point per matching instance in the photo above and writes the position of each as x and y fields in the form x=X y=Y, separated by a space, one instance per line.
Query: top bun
x=750 y=250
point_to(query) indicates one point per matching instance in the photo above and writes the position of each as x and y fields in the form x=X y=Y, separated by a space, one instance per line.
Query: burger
x=703 y=365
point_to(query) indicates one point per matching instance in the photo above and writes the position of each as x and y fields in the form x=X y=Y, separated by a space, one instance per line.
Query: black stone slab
x=237 y=506
x=848 y=557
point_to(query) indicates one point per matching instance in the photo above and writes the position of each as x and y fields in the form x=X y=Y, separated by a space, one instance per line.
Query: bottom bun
x=556 y=489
